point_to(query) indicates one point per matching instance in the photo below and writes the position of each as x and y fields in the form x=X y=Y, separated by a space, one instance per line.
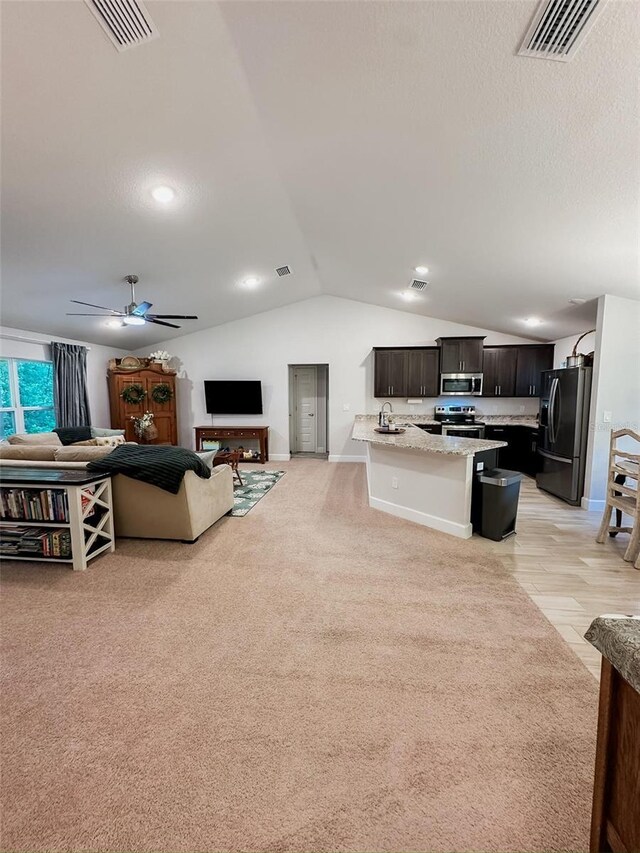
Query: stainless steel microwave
x=461 y=384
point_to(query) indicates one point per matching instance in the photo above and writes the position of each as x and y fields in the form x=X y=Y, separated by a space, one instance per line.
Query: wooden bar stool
x=623 y=466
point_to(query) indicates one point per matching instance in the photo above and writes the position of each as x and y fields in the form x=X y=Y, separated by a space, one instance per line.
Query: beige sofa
x=141 y=510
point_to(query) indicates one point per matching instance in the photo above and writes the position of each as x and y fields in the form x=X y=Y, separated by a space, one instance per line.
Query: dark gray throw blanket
x=160 y=465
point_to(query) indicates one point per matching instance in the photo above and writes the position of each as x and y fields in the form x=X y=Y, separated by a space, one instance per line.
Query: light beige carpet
x=316 y=676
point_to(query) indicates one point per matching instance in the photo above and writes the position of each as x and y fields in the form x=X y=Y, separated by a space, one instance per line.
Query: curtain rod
x=24 y=340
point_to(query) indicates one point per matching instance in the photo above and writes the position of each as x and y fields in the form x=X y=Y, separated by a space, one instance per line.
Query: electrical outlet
x=606 y=417
x=394 y=482
x=346 y=407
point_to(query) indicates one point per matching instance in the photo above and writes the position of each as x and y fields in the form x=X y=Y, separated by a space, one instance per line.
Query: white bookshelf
x=90 y=512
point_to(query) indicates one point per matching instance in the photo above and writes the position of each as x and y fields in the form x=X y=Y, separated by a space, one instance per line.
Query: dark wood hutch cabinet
x=149 y=375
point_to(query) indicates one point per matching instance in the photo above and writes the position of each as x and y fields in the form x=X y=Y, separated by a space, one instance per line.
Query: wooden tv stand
x=261 y=433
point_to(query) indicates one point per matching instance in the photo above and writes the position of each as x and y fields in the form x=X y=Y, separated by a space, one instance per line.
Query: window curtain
x=70 y=395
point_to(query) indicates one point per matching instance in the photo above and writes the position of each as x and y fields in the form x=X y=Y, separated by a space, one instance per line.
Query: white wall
x=564 y=347
x=97 y=359
x=321 y=330
x=616 y=387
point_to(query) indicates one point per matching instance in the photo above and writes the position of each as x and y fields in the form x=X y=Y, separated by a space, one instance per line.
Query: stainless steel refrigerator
x=564 y=429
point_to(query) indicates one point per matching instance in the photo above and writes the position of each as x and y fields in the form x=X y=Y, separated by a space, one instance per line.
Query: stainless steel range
x=460 y=421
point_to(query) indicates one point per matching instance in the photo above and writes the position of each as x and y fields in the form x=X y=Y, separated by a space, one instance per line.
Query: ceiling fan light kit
x=134 y=314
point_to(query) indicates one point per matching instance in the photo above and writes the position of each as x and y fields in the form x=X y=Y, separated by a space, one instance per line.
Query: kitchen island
x=421 y=477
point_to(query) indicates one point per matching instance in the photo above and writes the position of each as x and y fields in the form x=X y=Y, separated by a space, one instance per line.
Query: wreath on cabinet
x=133 y=394
x=162 y=393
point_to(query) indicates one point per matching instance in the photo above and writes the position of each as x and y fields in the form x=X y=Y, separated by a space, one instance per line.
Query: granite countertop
x=617 y=638
x=489 y=420
x=416 y=439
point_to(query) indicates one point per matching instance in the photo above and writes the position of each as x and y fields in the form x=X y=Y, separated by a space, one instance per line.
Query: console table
x=259 y=433
x=66 y=515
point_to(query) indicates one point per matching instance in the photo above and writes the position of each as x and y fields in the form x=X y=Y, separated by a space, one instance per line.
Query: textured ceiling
x=350 y=140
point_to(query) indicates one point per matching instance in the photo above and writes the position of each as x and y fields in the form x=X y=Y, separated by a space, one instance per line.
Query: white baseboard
x=334 y=457
x=279 y=457
x=592 y=506
x=462 y=531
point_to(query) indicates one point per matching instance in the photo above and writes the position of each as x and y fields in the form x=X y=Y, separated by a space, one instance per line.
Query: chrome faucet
x=383 y=417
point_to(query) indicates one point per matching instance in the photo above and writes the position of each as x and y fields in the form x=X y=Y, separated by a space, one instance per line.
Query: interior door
x=305 y=402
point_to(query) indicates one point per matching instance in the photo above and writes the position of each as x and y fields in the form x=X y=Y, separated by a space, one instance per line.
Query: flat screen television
x=233 y=397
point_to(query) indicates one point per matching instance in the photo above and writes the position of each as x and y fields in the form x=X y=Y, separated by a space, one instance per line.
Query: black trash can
x=496 y=503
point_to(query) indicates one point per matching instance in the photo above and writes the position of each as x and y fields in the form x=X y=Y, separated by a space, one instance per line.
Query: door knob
x=311 y=415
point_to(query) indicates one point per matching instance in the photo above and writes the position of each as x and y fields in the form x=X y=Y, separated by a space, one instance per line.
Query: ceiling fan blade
x=142 y=309
x=161 y=323
x=91 y=305
x=73 y=314
x=173 y=316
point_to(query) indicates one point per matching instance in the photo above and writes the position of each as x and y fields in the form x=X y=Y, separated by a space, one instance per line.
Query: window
x=26 y=396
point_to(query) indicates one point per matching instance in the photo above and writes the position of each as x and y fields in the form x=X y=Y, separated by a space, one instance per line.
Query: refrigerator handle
x=552 y=409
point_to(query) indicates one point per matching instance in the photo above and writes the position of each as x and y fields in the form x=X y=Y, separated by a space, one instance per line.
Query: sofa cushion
x=35 y=438
x=81 y=454
x=100 y=432
x=33 y=452
x=90 y=442
x=7 y=465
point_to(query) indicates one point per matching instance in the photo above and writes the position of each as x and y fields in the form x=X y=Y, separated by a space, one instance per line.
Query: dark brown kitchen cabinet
x=423 y=372
x=460 y=355
x=499 y=369
x=532 y=360
x=390 y=373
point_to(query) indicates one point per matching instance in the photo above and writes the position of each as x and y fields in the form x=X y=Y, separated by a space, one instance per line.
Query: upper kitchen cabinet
x=499 y=369
x=532 y=360
x=390 y=373
x=460 y=355
x=423 y=372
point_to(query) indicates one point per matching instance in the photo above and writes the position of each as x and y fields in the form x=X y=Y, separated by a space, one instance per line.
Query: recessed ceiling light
x=133 y=320
x=163 y=194
x=408 y=295
x=577 y=300
x=532 y=321
x=422 y=270
x=114 y=324
x=251 y=281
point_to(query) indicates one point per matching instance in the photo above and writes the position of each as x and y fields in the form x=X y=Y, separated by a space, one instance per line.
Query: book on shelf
x=34 y=505
x=35 y=542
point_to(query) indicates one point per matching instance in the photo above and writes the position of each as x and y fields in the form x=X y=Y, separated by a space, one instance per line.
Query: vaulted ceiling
x=350 y=140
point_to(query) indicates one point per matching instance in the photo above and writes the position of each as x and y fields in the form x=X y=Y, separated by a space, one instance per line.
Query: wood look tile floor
x=556 y=559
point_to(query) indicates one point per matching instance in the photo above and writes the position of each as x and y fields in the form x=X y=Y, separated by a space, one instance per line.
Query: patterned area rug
x=256 y=484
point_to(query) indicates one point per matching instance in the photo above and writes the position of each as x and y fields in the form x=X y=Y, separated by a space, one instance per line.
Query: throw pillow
x=35 y=438
x=207 y=457
x=90 y=442
x=99 y=432
x=109 y=440
x=69 y=435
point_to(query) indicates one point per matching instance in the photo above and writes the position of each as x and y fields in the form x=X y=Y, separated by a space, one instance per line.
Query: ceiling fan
x=134 y=314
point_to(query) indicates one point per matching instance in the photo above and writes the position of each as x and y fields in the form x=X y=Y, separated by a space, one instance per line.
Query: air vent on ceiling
x=559 y=27
x=126 y=22
x=416 y=284
x=286 y=270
